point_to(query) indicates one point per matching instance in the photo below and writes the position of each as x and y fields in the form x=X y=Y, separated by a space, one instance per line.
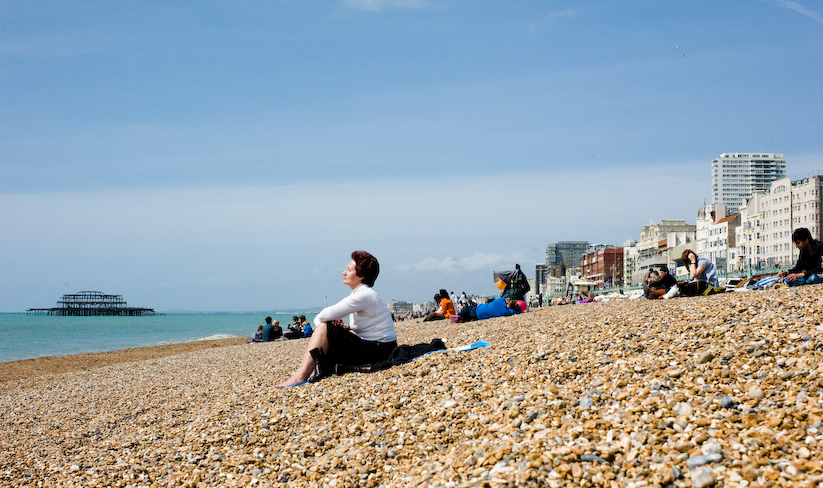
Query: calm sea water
x=24 y=337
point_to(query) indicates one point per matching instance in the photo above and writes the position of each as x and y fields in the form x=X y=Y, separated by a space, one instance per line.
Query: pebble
x=728 y=402
x=756 y=393
x=703 y=459
x=519 y=413
x=684 y=410
x=702 y=478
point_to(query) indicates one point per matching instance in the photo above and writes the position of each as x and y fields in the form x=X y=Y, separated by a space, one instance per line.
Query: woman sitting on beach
x=702 y=272
x=370 y=336
x=446 y=307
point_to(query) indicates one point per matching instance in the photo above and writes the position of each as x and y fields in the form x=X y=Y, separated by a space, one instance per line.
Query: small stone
x=684 y=446
x=711 y=448
x=702 y=479
x=592 y=459
x=727 y=402
x=684 y=409
x=577 y=471
x=696 y=461
x=585 y=402
x=756 y=393
x=705 y=357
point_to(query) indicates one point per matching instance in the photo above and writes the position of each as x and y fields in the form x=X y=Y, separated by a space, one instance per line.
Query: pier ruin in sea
x=91 y=304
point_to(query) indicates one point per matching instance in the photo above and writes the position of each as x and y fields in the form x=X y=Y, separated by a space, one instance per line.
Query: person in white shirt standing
x=370 y=336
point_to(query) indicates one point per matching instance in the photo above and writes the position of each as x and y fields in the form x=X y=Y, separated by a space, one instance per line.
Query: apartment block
x=603 y=266
x=736 y=176
x=789 y=205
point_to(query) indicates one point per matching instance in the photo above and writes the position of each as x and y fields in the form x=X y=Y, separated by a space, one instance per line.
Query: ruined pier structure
x=90 y=304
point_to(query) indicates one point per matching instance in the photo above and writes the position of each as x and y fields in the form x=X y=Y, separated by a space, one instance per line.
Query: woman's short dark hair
x=801 y=234
x=366 y=266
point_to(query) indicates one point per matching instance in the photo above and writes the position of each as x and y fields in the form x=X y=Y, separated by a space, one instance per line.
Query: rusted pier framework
x=90 y=304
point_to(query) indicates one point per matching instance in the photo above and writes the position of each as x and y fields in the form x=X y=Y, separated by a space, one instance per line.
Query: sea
x=28 y=336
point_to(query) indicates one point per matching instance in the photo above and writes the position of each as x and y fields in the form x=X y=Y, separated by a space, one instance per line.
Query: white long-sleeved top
x=369 y=318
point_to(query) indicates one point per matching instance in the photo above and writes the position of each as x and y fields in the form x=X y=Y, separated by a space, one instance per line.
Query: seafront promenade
x=722 y=390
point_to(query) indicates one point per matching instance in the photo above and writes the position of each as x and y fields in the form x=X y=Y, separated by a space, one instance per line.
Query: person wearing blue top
x=258 y=336
x=272 y=330
x=499 y=307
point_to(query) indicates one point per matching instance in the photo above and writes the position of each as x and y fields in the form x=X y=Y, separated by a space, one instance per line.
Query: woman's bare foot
x=295 y=379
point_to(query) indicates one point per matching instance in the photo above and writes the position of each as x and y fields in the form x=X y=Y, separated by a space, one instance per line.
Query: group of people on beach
x=299 y=328
x=370 y=336
x=513 y=286
x=659 y=283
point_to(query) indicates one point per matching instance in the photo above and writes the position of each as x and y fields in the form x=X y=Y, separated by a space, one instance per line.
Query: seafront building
x=748 y=235
x=715 y=237
x=565 y=253
x=736 y=176
x=657 y=245
x=771 y=218
x=603 y=266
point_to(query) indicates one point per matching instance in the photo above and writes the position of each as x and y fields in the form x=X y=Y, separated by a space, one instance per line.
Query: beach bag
x=694 y=288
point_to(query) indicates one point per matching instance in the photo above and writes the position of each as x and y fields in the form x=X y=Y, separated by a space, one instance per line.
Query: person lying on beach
x=499 y=307
x=808 y=268
x=370 y=336
x=257 y=336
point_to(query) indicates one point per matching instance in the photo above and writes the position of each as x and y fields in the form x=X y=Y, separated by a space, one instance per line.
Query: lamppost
x=614 y=281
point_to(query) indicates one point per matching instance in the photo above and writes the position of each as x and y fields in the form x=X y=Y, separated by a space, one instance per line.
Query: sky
x=229 y=156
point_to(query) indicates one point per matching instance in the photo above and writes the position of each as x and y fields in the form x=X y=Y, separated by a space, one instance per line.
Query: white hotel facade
x=770 y=217
x=736 y=176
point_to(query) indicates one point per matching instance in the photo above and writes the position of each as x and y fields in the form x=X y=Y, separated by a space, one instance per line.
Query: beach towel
x=767 y=281
x=467 y=347
x=404 y=353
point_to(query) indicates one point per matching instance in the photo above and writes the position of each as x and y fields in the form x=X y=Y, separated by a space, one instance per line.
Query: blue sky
x=230 y=156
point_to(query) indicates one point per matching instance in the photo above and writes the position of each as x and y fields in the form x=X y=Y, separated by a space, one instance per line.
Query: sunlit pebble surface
x=712 y=391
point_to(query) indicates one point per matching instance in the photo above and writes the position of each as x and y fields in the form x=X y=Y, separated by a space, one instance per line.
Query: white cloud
x=789 y=4
x=553 y=16
x=475 y=262
x=380 y=5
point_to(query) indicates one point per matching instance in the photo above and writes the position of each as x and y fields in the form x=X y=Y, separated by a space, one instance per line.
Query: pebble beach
x=725 y=390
